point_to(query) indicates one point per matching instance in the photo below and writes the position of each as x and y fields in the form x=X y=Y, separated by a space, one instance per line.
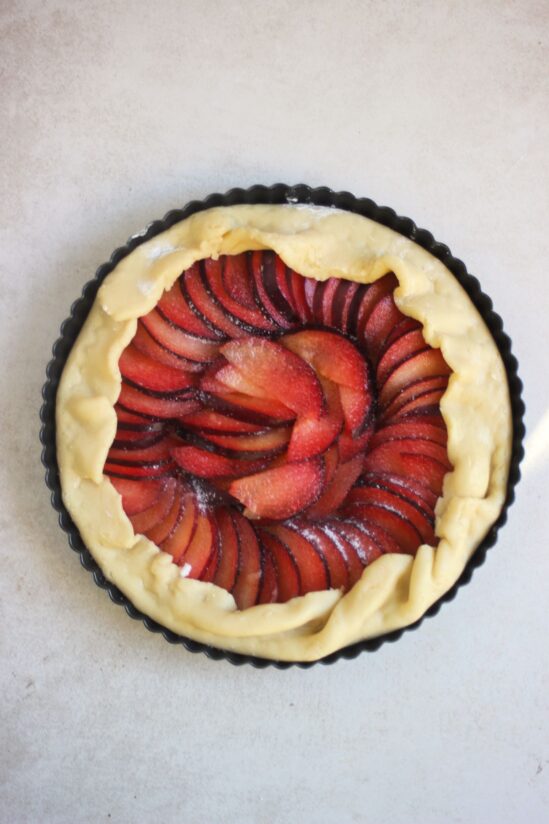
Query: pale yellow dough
x=320 y=243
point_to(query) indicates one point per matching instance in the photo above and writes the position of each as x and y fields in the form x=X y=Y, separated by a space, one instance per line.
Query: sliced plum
x=281 y=492
x=200 y=350
x=161 y=531
x=268 y=592
x=399 y=351
x=248 y=581
x=335 y=358
x=211 y=422
x=137 y=496
x=312 y=568
x=146 y=344
x=135 y=400
x=383 y=318
x=426 y=364
x=288 y=581
x=262 y=270
x=332 y=554
x=227 y=569
x=175 y=308
x=268 y=441
x=249 y=318
x=200 y=548
x=205 y=464
x=180 y=536
x=336 y=491
x=390 y=499
x=279 y=372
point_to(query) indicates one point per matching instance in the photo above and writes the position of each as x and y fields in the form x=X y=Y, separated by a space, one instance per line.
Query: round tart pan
x=279 y=193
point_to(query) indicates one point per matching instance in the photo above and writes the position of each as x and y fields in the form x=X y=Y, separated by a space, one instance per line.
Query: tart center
x=277 y=434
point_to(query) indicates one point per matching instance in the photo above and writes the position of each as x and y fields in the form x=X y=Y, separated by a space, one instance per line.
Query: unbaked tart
x=283 y=429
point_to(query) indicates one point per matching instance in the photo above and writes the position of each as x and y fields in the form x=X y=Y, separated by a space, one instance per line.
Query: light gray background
x=111 y=113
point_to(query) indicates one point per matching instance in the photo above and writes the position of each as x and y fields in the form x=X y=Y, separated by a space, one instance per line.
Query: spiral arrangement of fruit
x=277 y=434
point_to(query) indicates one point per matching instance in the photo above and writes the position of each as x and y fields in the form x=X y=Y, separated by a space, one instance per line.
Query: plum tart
x=283 y=429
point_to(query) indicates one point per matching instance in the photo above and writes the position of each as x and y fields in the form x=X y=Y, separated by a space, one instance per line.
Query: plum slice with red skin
x=281 y=492
x=414 y=446
x=417 y=389
x=137 y=495
x=337 y=489
x=349 y=446
x=357 y=547
x=249 y=318
x=150 y=517
x=402 y=328
x=370 y=539
x=410 y=488
x=413 y=428
x=135 y=400
x=283 y=283
x=154 y=450
x=160 y=531
x=409 y=459
x=351 y=308
x=211 y=568
x=341 y=302
x=206 y=464
x=200 y=297
x=331 y=354
x=136 y=471
x=237 y=281
x=329 y=291
x=331 y=462
x=332 y=554
x=310 y=287
x=269 y=440
x=261 y=411
x=279 y=372
x=234 y=381
x=227 y=569
x=200 y=350
x=399 y=351
x=248 y=580
x=313 y=435
x=273 y=273
x=371 y=295
x=426 y=364
x=424 y=415
x=389 y=499
x=384 y=541
x=311 y=566
x=200 y=548
x=175 y=308
x=135 y=421
x=335 y=358
x=288 y=582
x=211 y=422
x=296 y=290
x=383 y=318
x=268 y=593
x=258 y=262
x=390 y=519
x=146 y=344
x=180 y=536
x=421 y=407
x=136 y=438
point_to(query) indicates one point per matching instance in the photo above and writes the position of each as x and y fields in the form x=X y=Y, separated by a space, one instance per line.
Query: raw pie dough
x=395 y=590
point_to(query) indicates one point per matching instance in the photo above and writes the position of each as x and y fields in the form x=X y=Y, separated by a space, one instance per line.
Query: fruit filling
x=277 y=434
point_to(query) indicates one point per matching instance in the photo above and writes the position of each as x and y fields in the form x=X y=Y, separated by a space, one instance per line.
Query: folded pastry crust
x=395 y=590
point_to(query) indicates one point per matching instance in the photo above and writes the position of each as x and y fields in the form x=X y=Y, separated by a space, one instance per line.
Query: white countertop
x=111 y=113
